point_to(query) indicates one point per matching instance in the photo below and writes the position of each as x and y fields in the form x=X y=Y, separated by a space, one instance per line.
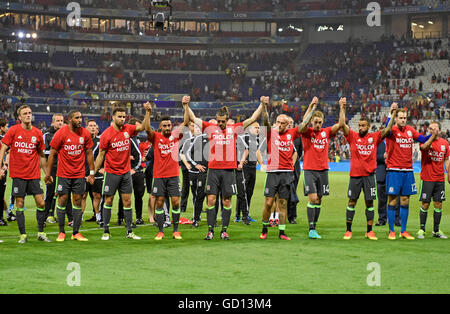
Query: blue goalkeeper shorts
x=400 y=183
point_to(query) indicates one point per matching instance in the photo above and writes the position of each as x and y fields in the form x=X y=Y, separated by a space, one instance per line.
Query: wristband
x=92 y=172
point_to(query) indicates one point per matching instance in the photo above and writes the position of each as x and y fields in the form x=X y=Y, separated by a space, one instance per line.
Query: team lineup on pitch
x=219 y=158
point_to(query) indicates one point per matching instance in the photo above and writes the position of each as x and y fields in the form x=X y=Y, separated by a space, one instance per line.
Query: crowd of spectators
x=360 y=70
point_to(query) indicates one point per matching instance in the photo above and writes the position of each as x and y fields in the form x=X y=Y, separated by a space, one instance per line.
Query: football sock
x=40 y=217
x=281 y=229
x=128 y=217
x=310 y=209
x=437 y=219
x=391 y=217
x=316 y=214
x=350 y=213
x=370 y=215
x=160 y=218
x=106 y=217
x=265 y=225
x=423 y=218
x=76 y=213
x=175 y=218
x=404 y=212
x=226 y=217
x=20 y=220
x=61 y=213
x=211 y=217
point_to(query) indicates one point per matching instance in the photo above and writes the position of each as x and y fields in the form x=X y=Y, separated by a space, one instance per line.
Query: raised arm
x=185 y=102
x=303 y=127
x=146 y=123
x=345 y=128
x=264 y=100
x=427 y=144
x=342 y=104
x=389 y=126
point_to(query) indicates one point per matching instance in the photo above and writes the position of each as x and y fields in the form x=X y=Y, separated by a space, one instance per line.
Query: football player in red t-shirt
x=435 y=156
x=26 y=157
x=399 y=165
x=166 y=172
x=222 y=162
x=115 y=151
x=73 y=145
x=280 y=166
x=315 y=141
x=363 y=163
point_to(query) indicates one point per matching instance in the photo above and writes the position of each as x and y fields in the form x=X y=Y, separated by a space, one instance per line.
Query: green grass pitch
x=245 y=264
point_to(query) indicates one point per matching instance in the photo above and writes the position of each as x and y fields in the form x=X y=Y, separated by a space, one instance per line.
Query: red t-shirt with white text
x=71 y=147
x=117 y=145
x=165 y=149
x=363 y=152
x=399 y=148
x=25 y=146
x=222 y=145
x=433 y=161
x=280 y=148
x=315 y=148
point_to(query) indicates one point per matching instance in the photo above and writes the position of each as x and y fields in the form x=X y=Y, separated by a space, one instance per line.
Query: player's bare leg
x=151 y=209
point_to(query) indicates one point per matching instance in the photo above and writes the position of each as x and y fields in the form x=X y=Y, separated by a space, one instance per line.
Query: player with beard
x=166 y=171
x=363 y=163
x=115 y=148
x=222 y=162
x=26 y=146
x=73 y=145
x=400 y=176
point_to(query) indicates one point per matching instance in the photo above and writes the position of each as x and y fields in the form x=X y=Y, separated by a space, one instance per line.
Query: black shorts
x=221 y=180
x=113 y=183
x=67 y=185
x=96 y=187
x=22 y=188
x=279 y=182
x=367 y=184
x=316 y=182
x=433 y=189
x=166 y=186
